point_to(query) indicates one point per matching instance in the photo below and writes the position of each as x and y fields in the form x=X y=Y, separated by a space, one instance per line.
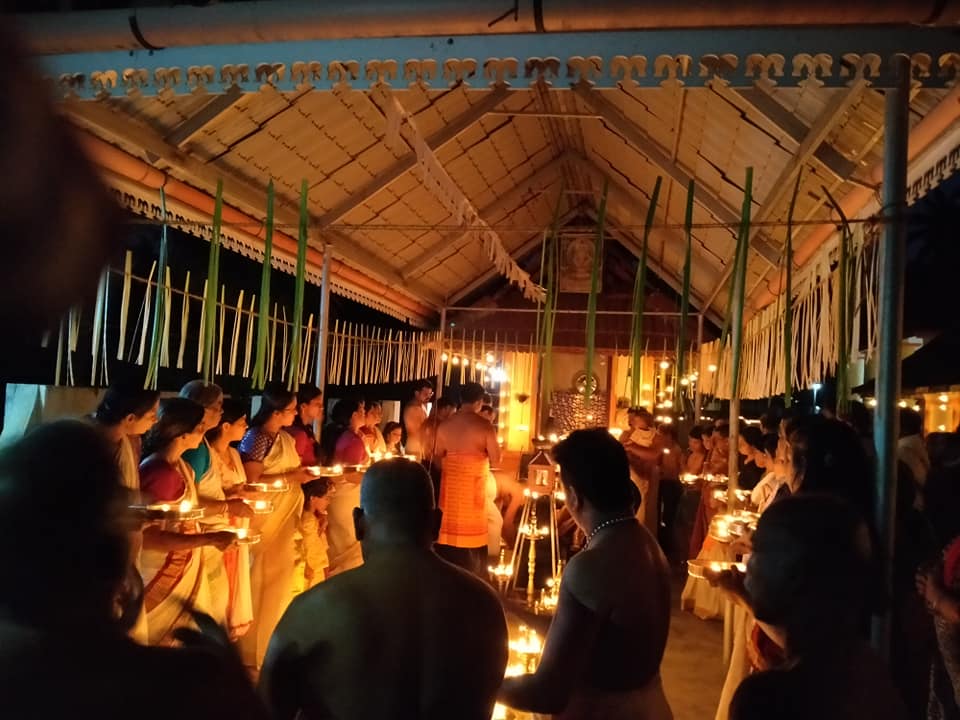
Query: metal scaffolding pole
x=892 y=262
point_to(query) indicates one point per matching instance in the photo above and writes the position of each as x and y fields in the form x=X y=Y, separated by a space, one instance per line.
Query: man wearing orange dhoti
x=466 y=447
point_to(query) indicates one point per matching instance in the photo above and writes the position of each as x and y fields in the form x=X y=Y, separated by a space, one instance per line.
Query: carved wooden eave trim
x=804 y=57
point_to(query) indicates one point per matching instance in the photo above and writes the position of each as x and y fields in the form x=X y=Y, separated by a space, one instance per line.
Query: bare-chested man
x=442 y=409
x=404 y=636
x=414 y=415
x=601 y=657
x=466 y=448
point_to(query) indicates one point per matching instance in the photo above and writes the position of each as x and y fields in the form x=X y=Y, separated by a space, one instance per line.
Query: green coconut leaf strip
x=60 y=343
x=145 y=314
x=213 y=284
x=167 y=311
x=125 y=302
x=263 y=322
x=293 y=380
x=159 y=312
x=98 y=323
x=685 y=296
x=201 y=343
x=844 y=307
x=184 y=321
x=284 y=353
x=222 y=329
x=595 y=291
x=639 y=299
x=740 y=280
x=248 y=339
x=235 y=336
x=273 y=343
x=550 y=305
x=788 y=302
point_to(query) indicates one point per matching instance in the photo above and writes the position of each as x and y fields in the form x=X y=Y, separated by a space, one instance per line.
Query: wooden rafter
x=105 y=121
x=537 y=181
x=639 y=139
x=834 y=112
x=440 y=138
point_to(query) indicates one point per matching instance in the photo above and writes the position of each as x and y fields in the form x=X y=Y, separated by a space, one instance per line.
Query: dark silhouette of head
x=471 y=396
x=810 y=571
x=911 y=422
x=827 y=457
x=396 y=505
x=64 y=475
x=594 y=466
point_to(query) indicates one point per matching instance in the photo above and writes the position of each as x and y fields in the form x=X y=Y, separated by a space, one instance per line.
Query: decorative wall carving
x=692 y=58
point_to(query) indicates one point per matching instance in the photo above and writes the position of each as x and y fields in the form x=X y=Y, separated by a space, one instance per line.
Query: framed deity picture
x=576 y=263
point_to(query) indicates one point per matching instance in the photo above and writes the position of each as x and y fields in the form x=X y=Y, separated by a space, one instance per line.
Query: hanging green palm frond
x=550 y=262
x=739 y=281
x=639 y=293
x=293 y=379
x=213 y=283
x=158 y=311
x=594 y=292
x=788 y=303
x=685 y=297
x=844 y=308
x=263 y=321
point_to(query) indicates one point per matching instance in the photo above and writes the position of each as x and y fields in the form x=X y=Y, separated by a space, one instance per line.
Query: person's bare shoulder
x=312 y=612
x=470 y=589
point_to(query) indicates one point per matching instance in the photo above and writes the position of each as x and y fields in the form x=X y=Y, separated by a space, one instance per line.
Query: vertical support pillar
x=323 y=331
x=892 y=261
x=439 y=362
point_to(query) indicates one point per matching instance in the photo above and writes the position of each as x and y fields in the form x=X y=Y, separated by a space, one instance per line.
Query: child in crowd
x=313 y=529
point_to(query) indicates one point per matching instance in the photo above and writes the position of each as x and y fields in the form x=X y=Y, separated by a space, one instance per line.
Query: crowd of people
x=357 y=575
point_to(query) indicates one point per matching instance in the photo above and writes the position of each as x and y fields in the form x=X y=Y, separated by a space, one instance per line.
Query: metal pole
x=439 y=363
x=892 y=261
x=324 y=330
x=698 y=393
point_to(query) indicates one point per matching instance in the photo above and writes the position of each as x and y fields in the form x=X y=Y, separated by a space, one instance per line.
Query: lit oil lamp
x=267 y=486
x=260 y=507
x=180 y=512
x=324 y=471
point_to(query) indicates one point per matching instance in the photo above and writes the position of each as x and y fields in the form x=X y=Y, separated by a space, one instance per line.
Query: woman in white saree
x=172 y=560
x=219 y=509
x=270 y=454
x=124 y=415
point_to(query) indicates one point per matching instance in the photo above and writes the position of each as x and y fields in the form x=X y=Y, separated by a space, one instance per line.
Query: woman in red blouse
x=309 y=411
x=350 y=448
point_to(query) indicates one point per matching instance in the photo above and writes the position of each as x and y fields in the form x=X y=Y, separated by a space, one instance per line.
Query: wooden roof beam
x=766 y=106
x=103 y=120
x=840 y=103
x=647 y=147
x=537 y=181
x=216 y=106
x=440 y=138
